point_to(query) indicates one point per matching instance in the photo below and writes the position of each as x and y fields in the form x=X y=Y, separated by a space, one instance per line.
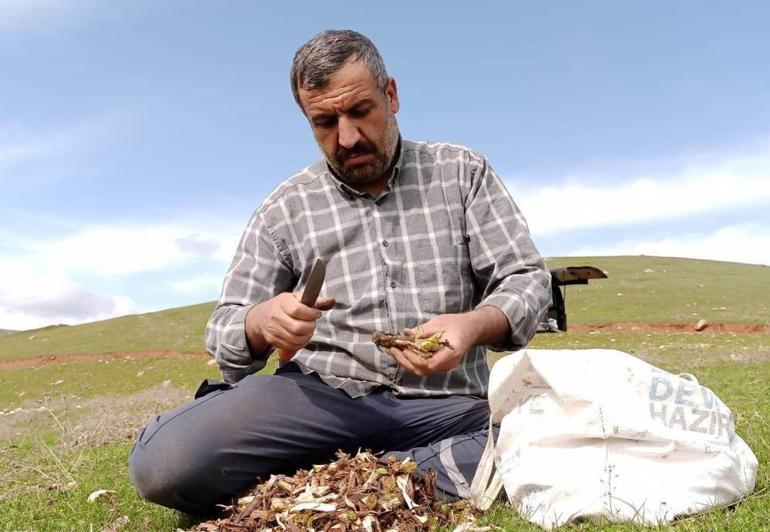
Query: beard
x=370 y=171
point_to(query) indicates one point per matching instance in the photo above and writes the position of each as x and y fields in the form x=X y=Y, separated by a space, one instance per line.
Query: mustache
x=360 y=148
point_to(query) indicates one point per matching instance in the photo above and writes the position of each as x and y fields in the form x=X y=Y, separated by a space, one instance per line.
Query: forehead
x=349 y=85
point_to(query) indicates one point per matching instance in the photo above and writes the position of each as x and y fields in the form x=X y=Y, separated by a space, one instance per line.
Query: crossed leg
x=209 y=450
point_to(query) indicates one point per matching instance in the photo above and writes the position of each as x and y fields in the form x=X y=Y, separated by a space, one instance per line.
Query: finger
x=325 y=303
x=294 y=309
x=280 y=337
x=425 y=330
x=296 y=327
x=442 y=361
x=422 y=365
x=402 y=360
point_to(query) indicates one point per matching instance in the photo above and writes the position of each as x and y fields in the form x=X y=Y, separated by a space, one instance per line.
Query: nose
x=348 y=132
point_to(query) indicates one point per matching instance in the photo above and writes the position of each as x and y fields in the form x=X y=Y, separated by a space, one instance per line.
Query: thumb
x=425 y=330
x=325 y=303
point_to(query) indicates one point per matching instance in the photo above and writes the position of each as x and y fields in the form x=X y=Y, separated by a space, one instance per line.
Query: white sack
x=601 y=433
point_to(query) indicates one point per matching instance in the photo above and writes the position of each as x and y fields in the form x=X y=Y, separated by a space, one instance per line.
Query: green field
x=66 y=427
x=179 y=330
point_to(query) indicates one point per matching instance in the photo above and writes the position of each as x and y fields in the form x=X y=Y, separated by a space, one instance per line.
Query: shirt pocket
x=443 y=279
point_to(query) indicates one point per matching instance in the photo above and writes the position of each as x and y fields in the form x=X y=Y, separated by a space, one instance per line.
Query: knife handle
x=284 y=355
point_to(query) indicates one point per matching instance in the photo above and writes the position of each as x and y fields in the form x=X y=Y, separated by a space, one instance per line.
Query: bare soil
x=736 y=328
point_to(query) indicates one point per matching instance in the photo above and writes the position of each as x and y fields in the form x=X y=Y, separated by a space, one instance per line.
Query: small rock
x=31 y=337
x=56 y=383
x=166 y=383
x=649 y=270
x=702 y=324
x=211 y=362
x=140 y=373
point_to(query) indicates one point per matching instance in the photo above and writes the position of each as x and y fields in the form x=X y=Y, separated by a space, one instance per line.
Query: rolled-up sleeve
x=508 y=270
x=259 y=270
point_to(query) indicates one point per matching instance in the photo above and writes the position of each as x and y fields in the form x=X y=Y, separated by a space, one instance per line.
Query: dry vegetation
x=358 y=493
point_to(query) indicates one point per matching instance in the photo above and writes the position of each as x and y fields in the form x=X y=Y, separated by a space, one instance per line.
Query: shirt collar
x=351 y=192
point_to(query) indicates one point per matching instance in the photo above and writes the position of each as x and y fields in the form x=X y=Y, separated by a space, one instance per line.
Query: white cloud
x=749 y=243
x=716 y=184
x=127 y=250
x=29 y=301
x=203 y=284
x=115 y=250
x=44 y=282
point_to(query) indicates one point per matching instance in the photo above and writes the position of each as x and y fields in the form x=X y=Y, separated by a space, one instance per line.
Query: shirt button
x=385 y=243
x=393 y=284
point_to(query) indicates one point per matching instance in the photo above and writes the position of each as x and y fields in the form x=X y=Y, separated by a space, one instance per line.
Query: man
x=414 y=234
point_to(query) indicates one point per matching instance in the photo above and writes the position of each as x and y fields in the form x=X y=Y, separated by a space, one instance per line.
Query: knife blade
x=309 y=294
x=314 y=283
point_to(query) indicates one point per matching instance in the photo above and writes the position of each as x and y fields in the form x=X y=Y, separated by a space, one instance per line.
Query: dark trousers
x=210 y=450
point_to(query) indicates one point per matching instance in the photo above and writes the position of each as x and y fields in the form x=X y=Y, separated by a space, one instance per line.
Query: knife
x=309 y=294
x=314 y=283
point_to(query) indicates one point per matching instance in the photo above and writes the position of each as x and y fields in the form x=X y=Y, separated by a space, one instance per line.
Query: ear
x=391 y=95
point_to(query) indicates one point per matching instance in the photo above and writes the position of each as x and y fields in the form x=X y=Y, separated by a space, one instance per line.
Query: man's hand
x=283 y=322
x=485 y=325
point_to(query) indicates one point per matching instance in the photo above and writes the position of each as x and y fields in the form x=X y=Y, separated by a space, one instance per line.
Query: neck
x=374 y=188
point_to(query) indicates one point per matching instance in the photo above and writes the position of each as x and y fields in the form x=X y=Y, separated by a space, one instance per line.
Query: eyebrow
x=361 y=103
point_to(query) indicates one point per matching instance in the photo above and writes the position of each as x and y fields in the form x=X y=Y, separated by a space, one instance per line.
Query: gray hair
x=323 y=55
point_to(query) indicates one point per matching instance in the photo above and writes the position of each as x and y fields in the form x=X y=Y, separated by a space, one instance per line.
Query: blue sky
x=137 y=137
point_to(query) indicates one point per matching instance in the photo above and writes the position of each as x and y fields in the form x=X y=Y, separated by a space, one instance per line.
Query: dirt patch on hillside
x=44 y=360
x=735 y=328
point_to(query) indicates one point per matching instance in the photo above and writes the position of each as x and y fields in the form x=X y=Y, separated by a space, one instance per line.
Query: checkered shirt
x=443 y=237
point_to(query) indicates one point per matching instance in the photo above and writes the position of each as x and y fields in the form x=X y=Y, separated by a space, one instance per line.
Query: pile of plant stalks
x=358 y=493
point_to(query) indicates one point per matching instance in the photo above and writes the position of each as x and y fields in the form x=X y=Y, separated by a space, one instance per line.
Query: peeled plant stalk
x=425 y=347
x=352 y=493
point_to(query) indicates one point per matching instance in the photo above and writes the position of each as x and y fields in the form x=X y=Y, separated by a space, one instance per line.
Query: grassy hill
x=97 y=405
x=4 y=332
x=179 y=329
x=668 y=290
x=639 y=289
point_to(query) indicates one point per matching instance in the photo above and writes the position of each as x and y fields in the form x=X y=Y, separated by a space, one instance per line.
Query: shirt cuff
x=520 y=320
x=233 y=357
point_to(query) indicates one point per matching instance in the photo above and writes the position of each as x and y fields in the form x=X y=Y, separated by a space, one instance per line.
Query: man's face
x=354 y=123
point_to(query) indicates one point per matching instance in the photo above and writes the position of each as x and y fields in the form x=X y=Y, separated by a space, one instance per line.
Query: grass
x=666 y=290
x=179 y=330
x=102 y=467
x=85 y=379
x=639 y=289
x=74 y=421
